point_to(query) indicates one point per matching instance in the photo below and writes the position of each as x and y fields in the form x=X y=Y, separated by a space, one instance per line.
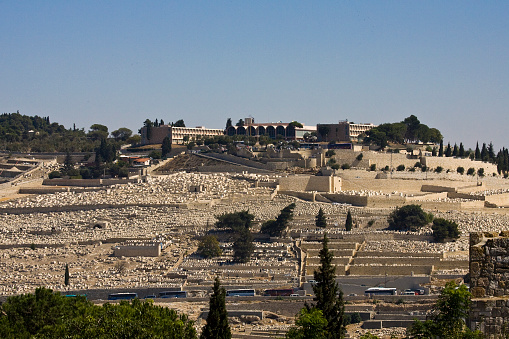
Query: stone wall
x=489 y=281
x=310 y=183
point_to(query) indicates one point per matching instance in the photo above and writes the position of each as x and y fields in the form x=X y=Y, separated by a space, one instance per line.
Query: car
x=294 y=295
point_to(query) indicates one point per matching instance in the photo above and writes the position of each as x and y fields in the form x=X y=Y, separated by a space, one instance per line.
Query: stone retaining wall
x=489 y=281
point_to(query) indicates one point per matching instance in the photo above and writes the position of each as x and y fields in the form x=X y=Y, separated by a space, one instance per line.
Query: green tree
x=209 y=247
x=323 y=131
x=68 y=164
x=477 y=154
x=461 y=151
x=243 y=246
x=321 y=220
x=348 y=222
x=441 y=149
x=480 y=172
x=447 y=319
x=296 y=124
x=148 y=126
x=217 y=320
x=460 y=170
x=471 y=171
x=165 y=147
x=455 y=150
x=409 y=217
x=228 y=122
x=235 y=221
x=310 y=324
x=328 y=295
x=66 y=275
x=275 y=228
x=443 y=229
x=448 y=151
x=179 y=123
x=122 y=134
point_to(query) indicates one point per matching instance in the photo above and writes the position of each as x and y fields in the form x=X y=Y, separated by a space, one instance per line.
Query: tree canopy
x=447 y=319
x=46 y=314
x=409 y=218
x=275 y=228
x=217 y=326
x=328 y=295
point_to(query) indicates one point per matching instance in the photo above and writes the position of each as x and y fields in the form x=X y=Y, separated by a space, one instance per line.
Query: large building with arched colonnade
x=271 y=129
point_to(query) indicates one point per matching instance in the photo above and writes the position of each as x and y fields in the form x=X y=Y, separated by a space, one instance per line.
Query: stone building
x=272 y=129
x=342 y=131
x=177 y=134
x=489 y=283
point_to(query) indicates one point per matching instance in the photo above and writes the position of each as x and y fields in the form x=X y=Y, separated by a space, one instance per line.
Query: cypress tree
x=349 y=222
x=455 y=150
x=328 y=295
x=448 y=151
x=441 y=149
x=320 y=220
x=66 y=276
x=461 y=151
x=484 y=152
x=217 y=320
x=165 y=147
x=477 y=155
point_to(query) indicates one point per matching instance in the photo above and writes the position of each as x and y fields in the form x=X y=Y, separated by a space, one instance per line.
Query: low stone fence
x=391 y=270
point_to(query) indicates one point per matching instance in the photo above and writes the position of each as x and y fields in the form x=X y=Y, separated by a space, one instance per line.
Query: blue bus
x=122 y=296
x=240 y=293
x=173 y=294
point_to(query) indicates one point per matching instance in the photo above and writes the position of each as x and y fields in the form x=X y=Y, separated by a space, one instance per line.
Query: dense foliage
x=49 y=315
x=238 y=223
x=275 y=228
x=348 y=222
x=309 y=324
x=447 y=319
x=444 y=229
x=209 y=247
x=320 y=219
x=408 y=130
x=409 y=218
x=328 y=295
x=217 y=320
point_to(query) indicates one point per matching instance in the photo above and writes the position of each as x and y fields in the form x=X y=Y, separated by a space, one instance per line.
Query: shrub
x=409 y=217
x=480 y=172
x=386 y=168
x=412 y=169
x=471 y=171
x=372 y=167
x=360 y=156
x=418 y=164
x=345 y=166
x=424 y=168
x=371 y=222
x=400 y=168
x=330 y=153
x=155 y=155
x=460 y=170
x=335 y=166
x=439 y=169
x=443 y=229
x=54 y=174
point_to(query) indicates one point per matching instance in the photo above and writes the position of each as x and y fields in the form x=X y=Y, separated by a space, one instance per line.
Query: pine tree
x=348 y=223
x=320 y=220
x=66 y=276
x=217 y=320
x=328 y=295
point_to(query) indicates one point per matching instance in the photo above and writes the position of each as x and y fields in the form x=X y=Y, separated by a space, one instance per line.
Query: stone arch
x=231 y=131
x=261 y=130
x=251 y=131
x=271 y=131
x=241 y=130
x=280 y=130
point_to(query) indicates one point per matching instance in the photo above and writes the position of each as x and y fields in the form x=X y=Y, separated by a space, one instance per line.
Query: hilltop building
x=177 y=134
x=342 y=131
x=270 y=129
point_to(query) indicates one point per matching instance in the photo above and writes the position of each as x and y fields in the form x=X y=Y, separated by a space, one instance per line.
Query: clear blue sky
x=119 y=62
